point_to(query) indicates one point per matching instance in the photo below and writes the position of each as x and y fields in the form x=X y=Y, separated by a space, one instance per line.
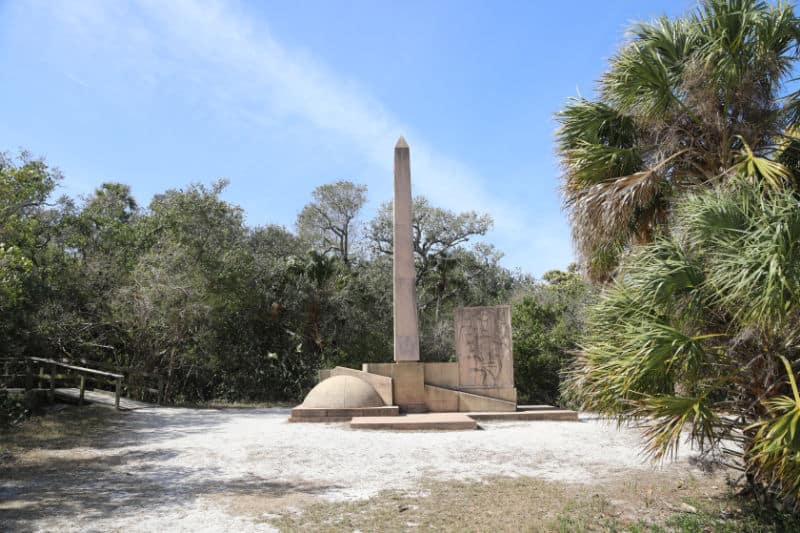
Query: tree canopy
x=329 y=222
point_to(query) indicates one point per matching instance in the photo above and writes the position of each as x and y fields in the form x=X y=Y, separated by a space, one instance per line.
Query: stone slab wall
x=440 y=400
x=483 y=347
x=442 y=374
x=408 y=383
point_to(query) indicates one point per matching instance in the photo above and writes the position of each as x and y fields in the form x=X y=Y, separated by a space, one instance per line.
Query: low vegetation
x=681 y=181
x=640 y=503
x=697 y=332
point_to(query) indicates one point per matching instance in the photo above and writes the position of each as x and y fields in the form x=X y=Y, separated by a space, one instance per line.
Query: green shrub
x=691 y=335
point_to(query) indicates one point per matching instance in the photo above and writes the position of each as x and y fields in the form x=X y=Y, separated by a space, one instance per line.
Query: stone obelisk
x=406 y=330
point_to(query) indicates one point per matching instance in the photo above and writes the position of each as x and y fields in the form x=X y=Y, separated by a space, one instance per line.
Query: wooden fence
x=31 y=371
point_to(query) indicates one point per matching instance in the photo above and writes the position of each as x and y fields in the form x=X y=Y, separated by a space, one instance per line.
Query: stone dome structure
x=342 y=392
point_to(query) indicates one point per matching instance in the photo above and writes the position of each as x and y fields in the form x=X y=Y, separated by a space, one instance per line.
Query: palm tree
x=318 y=272
x=685 y=103
x=694 y=333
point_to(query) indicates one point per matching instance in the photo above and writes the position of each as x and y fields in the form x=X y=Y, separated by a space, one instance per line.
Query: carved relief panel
x=483 y=347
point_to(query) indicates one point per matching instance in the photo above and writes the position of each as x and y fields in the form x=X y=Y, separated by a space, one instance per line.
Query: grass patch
x=65 y=427
x=642 y=502
x=733 y=517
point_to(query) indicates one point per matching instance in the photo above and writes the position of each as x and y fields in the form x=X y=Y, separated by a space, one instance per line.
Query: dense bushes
x=694 y=334
x=680 y=179
x=547 y=322
x=12 y=409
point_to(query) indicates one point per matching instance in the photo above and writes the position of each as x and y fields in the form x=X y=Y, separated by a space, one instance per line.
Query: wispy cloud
x=245 y=74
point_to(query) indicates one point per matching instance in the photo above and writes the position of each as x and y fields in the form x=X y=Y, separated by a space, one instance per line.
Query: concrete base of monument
x=427 y=421
x=312 y=414
x=389 y=417
x=376 y=396
x=527 y=412
x=461 y=421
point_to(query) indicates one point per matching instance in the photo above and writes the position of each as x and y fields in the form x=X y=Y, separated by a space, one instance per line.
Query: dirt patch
x=639 y=502
x=61 y=427
x=265 y=506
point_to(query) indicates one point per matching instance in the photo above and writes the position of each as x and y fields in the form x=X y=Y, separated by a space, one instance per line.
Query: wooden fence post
x=118 y=392
x=83 y=388
x=52 y=383
x=28 y=375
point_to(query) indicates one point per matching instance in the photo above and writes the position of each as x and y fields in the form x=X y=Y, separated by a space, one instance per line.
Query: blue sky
x=282 y=96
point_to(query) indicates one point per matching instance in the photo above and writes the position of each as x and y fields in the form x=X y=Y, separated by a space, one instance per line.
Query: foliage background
x=183 y=288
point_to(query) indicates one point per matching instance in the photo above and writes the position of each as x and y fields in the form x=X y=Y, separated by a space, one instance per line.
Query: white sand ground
x=190 y=470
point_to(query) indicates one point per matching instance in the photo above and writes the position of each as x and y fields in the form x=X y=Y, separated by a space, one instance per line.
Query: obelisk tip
x=401 y=143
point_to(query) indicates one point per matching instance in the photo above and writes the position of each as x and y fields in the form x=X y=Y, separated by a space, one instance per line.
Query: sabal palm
x=692 y=332
x=686 y=102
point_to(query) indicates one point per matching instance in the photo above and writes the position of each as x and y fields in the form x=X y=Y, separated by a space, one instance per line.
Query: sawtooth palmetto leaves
x=775 y=454
x=685 y=103
x=688 y=339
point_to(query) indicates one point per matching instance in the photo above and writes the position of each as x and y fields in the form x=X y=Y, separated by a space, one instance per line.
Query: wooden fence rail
x=135 y=378
x=110 y=378
x=136 y=383
x=14 y=370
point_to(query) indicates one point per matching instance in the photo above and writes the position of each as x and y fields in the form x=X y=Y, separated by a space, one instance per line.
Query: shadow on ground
x=95 y=482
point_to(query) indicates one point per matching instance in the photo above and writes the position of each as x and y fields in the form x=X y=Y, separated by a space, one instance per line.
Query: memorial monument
x=406 y=327
x=480 y=383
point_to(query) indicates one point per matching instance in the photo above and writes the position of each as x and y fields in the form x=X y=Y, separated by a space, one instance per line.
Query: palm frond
x=775 y=454
x=696 y=98
x=605 y=212
x=756 y=255
x=668 y=416
x=595 y=143
x=751 y=166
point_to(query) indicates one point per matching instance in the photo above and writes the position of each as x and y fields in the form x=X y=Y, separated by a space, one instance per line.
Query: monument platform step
x=314 y=414
x=320 y=419
x=539 y=413
x=428 y=421
x=539 y=407
x=441 y=399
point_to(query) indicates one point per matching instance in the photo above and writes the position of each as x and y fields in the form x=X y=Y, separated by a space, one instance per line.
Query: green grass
x=751 y=519
x=642 y=503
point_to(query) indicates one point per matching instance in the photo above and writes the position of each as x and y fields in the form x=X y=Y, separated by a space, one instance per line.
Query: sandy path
x=227 y=470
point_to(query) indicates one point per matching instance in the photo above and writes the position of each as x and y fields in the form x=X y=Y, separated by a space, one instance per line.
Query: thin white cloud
x=219 y=46
x=245 y=74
